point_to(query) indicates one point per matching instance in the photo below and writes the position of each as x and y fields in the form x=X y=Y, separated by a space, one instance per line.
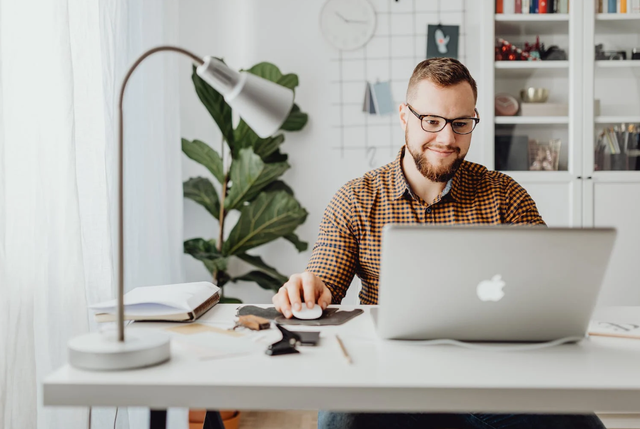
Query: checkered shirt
x=350 y=234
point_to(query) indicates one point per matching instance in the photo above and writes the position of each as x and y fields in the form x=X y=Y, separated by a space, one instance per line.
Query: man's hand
x=306 y=286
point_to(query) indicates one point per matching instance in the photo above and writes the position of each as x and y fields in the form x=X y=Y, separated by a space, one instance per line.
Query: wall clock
x=347 y=24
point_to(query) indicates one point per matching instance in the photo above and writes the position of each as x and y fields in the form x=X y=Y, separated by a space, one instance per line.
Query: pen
x=344 y=350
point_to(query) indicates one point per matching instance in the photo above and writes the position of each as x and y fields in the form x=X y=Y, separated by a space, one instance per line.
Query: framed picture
x=442 y=41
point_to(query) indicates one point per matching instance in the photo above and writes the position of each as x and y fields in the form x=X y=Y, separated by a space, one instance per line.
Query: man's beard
x=434 y=173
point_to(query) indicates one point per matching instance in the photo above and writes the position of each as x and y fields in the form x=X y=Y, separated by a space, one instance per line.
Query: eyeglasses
x=435 y=124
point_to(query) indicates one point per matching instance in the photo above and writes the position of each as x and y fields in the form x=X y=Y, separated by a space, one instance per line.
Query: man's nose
x=446 y=136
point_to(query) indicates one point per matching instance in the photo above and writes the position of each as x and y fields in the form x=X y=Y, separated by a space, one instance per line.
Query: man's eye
x=433 y=122
x=460 y=124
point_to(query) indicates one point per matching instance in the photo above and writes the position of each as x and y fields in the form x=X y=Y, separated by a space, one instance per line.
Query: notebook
x=183 y=302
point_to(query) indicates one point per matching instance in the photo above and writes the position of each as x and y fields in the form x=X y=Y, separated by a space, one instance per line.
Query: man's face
x=437 y=155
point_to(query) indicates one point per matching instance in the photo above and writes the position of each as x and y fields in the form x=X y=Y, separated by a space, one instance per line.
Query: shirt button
x=428 y=210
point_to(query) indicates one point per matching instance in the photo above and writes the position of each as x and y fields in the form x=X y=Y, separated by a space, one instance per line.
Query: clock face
x=347 y=24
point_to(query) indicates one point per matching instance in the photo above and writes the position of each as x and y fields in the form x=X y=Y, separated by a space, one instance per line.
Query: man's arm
x=335 y=254
x=520 y=207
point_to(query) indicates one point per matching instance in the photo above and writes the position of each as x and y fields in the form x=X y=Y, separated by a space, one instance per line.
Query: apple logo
x=491 y=290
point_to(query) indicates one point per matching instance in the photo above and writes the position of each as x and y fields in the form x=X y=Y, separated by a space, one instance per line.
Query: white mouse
x=307 y=313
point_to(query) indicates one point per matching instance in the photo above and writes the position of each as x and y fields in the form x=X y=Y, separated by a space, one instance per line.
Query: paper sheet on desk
x=614 y=329
x=210 y=345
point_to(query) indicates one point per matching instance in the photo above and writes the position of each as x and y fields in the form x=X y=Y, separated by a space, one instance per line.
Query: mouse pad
x=330 y=316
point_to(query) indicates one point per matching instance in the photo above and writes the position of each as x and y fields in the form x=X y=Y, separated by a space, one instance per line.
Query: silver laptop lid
x=490 y=283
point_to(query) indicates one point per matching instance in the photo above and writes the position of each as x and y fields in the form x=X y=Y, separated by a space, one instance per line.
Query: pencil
x=344 y=350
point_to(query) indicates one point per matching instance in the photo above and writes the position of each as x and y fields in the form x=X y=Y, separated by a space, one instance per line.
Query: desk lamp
x=264 y=106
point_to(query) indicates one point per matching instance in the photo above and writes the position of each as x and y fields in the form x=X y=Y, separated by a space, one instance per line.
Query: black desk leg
x=157 y=419
x=212 y=420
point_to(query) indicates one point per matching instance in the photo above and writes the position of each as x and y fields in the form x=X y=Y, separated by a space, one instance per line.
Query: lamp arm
x=120 y=290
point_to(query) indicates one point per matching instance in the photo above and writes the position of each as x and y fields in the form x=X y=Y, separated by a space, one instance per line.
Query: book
x=518 y=6
x=183 y=302
x=499 y=6
x=623 y=6
x=612 y=6
x=563 y=6
x=509 y=7
x=526 y=6
x=614 y=329
x=542 y=6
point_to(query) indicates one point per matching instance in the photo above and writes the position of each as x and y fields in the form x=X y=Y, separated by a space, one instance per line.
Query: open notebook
x=183 y=302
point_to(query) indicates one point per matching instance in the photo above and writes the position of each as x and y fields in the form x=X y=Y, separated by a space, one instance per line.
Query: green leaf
x=265 y=147
x=276 y=157
x=266 y=70
x=264 y=280
x=300 y=245
x=222 y=279
x=257 y=262
x=206 y=252
x=249 y=175
x=278 y=185
x=219 y=110
x=296 y=120
x=202 y=153
x=270 y=216
x=244 y=137
x=229 y=300
x=202 y=192
x=288 y=80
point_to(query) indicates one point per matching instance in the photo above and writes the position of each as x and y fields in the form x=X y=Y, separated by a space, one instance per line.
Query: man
x=429 y=182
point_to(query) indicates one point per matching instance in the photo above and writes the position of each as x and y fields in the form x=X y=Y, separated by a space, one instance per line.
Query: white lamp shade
x=262 y=104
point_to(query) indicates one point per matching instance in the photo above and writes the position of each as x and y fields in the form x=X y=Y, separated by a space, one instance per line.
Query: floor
x=279 y=420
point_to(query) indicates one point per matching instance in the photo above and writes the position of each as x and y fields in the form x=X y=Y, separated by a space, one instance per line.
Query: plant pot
x=230 y=418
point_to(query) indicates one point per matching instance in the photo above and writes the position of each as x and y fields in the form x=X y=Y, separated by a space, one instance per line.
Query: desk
x=601 y=374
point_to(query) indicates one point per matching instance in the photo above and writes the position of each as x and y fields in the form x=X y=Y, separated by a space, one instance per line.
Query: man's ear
x=402 y=111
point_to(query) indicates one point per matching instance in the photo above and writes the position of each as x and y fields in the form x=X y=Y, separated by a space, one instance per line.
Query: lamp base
x=103 y=351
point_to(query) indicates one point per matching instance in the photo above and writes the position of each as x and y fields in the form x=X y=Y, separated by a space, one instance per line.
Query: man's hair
x=443 y=72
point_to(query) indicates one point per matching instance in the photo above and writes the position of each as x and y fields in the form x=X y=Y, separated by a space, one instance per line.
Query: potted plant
x=249 y=185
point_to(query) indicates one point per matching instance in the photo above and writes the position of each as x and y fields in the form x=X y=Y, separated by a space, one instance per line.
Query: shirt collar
x=402 y=188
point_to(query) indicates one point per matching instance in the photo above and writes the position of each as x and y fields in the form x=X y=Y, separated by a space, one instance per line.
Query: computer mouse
x=306 y=313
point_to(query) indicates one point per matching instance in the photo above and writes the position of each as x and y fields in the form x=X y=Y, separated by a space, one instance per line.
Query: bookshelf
x=533 y=120
x=580 y=193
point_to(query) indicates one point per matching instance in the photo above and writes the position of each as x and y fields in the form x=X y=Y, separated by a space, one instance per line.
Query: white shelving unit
x=617 y=17
x=578 y=195
x=618 y=63
x=617 y=119
x=531 y=65
x=533 y=120
x=532 y=17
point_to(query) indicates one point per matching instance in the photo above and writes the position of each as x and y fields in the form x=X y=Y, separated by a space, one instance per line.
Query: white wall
x=286 y=33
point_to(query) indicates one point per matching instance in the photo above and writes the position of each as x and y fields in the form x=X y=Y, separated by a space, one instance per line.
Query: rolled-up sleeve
x=335 y=253
x=521 y=209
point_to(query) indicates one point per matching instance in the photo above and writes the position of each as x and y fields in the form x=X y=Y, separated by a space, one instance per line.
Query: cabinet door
x=617 y=205
x=559 y=203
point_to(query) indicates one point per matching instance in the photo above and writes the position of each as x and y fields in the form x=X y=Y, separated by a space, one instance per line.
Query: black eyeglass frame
x=446 y=121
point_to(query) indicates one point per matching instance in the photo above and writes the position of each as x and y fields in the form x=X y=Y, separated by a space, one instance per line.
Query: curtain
x=61 y=63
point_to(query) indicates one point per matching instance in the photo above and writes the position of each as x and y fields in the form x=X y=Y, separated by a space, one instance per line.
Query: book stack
x=618 y=6
x=533 y=6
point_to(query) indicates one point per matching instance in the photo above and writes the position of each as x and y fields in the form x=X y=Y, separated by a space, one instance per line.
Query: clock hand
x=350 y=20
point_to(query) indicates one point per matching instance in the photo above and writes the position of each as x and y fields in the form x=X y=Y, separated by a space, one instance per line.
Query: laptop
x=489 y=283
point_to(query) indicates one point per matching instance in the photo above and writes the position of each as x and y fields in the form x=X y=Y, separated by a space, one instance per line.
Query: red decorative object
x=505 y=51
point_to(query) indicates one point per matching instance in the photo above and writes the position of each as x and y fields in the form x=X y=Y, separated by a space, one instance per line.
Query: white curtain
x=61 y=63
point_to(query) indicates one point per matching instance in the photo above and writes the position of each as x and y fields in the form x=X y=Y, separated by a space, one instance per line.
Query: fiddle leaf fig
x=270 y=216
x=249 y=175
x=267 y=206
